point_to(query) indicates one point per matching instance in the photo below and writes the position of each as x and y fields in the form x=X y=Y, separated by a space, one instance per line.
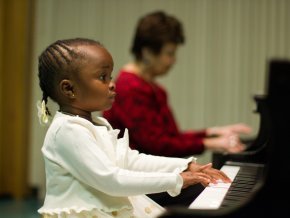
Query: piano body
x=255 y=150
x=261 y=174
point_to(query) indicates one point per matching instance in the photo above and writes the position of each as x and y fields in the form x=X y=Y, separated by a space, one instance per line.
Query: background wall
x=219 y=69
x=15 y=55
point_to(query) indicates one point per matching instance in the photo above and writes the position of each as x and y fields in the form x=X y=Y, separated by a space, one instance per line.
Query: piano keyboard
x=215 y=196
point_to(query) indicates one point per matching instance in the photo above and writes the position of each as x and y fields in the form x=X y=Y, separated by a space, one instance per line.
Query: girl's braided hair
x=58 y=60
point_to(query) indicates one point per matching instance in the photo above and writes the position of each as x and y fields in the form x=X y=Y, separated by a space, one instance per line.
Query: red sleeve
x=152 y=127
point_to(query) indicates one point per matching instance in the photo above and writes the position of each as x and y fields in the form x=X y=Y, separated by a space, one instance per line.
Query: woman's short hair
x=154 y=30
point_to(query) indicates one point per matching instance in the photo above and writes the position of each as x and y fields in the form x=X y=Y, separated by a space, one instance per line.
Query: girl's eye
x=105 y=78
x=102 y=77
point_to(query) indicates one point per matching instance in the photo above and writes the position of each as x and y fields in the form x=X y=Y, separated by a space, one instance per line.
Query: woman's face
x=161 y=63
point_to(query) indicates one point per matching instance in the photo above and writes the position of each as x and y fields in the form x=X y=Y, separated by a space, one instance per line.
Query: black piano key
x=241 y=186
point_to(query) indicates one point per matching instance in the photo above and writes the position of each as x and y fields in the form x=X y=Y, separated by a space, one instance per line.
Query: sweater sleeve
x=83 y=158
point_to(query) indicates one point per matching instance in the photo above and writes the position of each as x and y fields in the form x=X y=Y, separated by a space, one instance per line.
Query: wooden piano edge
x=245 y=156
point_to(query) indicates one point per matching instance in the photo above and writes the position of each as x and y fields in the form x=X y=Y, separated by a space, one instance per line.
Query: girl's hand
x=190 y=178
x=214 y=174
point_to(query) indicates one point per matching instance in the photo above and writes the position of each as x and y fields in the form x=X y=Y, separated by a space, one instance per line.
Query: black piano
x=261 y=173
x=256 y=148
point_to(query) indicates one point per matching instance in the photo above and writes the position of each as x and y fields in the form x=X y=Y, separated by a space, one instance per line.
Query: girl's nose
x=112 y=86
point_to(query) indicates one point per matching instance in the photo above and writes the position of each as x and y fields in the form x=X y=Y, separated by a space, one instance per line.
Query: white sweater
x=89 y=170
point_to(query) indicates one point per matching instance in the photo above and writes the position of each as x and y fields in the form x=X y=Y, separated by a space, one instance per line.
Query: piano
x=244 y=177
x=255 y=149
x=260 y=176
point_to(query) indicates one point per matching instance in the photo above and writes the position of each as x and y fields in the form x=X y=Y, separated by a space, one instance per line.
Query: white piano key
x=212 y=196
x=230 y=171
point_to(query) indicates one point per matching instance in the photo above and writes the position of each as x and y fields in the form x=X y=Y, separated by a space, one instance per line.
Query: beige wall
x=219 y=69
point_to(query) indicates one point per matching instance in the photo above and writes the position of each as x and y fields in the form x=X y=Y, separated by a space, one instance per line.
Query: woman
x=141 y=104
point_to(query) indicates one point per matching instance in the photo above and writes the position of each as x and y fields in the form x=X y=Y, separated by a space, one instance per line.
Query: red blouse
x=142 y=108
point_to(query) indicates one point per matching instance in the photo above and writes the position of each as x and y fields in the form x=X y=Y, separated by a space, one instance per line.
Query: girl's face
x=160 y=64
x=93 y=86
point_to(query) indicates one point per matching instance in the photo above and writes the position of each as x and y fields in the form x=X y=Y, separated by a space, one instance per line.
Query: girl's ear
x=66 y=88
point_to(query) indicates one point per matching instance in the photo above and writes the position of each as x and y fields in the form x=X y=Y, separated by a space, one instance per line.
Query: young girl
x=90 y=172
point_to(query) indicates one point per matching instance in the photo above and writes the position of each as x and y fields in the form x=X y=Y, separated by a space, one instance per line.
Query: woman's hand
x=225 y=143
x=233 y=129
x=226 y=138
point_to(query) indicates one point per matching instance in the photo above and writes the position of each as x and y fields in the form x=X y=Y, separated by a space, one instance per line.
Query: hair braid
x=45 y=99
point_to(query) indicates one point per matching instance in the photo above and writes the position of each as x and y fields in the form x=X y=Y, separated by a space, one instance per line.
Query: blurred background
x=219 y=69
